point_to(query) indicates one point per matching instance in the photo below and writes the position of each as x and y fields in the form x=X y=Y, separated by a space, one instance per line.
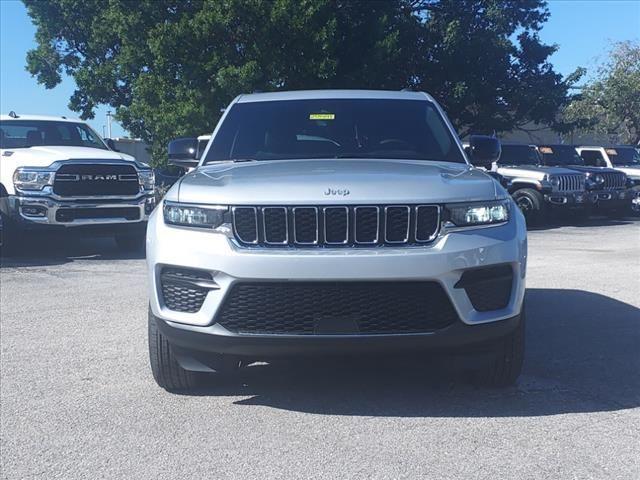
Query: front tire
x=531 y=204
x=165 y=368
x=505 y=369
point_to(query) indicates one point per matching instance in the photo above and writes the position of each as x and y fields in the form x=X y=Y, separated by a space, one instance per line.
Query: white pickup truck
x=57 y=173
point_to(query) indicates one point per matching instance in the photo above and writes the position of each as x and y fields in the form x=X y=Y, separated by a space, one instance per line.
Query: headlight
x=195 y=215
x=480 y=213
x=147 y=179
x=31 y=179
x=599 y=179
x=554 y=181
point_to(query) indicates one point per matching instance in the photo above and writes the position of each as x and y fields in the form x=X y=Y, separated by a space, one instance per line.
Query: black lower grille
x=81 y=179
x=336 y=308
x=488 y=288
x=178 y=293
x=72 y=214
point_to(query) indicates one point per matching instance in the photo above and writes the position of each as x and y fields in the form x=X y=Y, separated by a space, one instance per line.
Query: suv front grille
x=334 y=226
x=571 y=183
x=98 y=179
x=614 y=180
x=336 y=308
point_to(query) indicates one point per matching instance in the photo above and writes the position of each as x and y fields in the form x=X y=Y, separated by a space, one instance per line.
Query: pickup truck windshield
x=334 y=128
x=624 y=156
x=518 y=155
x=559 y=155
x=34 y=133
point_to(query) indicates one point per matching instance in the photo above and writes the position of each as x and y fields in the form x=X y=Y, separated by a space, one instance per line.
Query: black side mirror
x=111 y=144
x=183 y=152
x=484 y=150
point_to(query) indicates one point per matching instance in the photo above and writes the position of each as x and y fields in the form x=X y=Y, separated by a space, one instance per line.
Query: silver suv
x=326 y=223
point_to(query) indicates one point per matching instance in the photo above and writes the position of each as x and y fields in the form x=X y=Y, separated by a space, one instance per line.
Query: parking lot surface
x=78 y=401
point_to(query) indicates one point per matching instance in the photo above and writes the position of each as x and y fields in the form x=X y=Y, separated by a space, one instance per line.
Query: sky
x=582 y=29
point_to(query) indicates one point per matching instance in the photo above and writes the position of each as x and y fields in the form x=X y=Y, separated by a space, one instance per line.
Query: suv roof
x=334 y=94
x=50 y=118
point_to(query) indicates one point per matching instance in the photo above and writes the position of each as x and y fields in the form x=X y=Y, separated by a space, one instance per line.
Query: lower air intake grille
x=336 y=308
x=179 y=291
x=488 y=288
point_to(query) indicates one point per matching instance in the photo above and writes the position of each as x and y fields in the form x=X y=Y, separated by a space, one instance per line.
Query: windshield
x=33 y=133
x=334 y=128
x=624 y=156
x=560 y=155
x=518 y=155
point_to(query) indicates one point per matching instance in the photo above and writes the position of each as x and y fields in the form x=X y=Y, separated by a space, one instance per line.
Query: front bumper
x=444 y=261
x=609 y=199
x=39 y=211
x=570 y=199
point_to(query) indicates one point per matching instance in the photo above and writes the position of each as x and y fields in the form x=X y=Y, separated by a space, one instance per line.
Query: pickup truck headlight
x=32 y=179
x=147 y=179
x=478 y=213
x=201 y=216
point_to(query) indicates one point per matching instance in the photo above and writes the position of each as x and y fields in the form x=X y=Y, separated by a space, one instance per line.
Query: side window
x=593 y=158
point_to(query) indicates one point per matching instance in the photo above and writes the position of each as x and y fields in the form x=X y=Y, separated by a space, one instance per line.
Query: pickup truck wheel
x=505 y=369
x=166 y=370
x=8 y=237
x=531 y=204
x=130 y=242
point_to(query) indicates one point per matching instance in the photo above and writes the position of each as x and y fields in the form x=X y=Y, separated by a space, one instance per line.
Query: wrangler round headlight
x=202 y=216
x=554 y=181
x=599 y=179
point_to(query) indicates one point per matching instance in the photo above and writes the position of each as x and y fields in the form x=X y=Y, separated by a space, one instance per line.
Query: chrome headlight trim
x=32 y=179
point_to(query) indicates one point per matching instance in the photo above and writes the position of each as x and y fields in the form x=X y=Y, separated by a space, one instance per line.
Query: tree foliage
x=169 y=66
x=610 y=103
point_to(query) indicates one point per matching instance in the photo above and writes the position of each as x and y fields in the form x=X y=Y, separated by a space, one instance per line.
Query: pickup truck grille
x=335 y=226
x=571 y=183
x=614 y=180
x=98 y=179
x=336 y=308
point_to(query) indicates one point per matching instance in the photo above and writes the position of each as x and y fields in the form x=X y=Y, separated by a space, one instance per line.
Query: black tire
x=531 y=204
x=634 y=208
x=166 y=370
x=8 y=237
x=505 y=369
x=130 y=242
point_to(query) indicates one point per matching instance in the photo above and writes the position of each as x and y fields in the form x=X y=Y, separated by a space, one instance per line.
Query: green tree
x=169 y=66
x=610 y=103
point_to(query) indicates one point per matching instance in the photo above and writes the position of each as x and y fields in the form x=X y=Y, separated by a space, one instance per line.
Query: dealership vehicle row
x=323 y=223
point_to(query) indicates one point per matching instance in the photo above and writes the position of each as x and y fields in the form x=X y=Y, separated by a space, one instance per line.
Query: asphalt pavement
x=77 y=399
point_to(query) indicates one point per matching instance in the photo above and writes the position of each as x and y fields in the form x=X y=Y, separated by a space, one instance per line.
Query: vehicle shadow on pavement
x=57 y=248
x=560 y=221
x=582 y=356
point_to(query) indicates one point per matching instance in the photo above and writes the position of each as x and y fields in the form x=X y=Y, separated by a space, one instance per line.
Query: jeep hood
x=45 y=155
x=333 y=181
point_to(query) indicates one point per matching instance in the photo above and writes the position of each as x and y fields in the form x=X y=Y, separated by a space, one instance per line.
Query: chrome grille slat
x=613 y=180
x=335 y=225
x=571 y=183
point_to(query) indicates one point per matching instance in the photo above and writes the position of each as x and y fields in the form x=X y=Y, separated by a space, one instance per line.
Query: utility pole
x=104 y=131
x=109 y=123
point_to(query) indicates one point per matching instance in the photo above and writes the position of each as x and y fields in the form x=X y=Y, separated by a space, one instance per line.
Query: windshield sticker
x=611 y=151
x=546 y=150
x=322 y=116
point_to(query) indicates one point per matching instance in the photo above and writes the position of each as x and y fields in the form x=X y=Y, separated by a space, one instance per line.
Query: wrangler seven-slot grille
x=571 y=183
x=614 y=180
x=363 y=225
x=336 y=308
